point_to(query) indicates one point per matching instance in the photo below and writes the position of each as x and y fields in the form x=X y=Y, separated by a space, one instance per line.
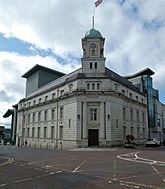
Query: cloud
x=134 y=32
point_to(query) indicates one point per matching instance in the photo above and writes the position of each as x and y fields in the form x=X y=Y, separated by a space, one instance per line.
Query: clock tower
x=93 y=60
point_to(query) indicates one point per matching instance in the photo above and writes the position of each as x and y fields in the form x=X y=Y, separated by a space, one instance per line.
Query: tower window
x=95 y=65
x=90 y=65
x=93 y=52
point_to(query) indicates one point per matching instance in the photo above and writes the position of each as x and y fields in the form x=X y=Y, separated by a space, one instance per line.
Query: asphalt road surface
x=92 y=168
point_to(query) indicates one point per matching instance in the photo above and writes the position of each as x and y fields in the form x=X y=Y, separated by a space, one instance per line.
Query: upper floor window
x=34 y=102
x=53 y=95
x=143 y=117
x=130 y=95
x=46 y=98
x=90 y=65
x=137 y=98
x=137 y=114
x=33 y=117
x=95 y=65
x=39 y=116
x=93 y=114
x=123 y=91
x=61 y=112
x=46 y=115
x=93 y=86
x=93 y=52
x=28 y=118
x=98 y=86
x=70 y=88
x=40 y=100
x=53 y=114
x=131 y=115
x=61 y=92
x=88 y=86
x=124 y=113
x=29 y=104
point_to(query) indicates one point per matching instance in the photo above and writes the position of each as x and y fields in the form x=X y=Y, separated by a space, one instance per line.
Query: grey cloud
x=4 y=97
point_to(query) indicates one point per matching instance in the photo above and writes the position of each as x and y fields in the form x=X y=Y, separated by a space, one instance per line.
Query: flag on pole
x=98 y=2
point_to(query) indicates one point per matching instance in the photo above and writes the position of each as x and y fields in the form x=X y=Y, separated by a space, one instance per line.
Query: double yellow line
x=9 y=160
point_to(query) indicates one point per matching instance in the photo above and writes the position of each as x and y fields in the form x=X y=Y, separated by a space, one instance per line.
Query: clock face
x=93 y=45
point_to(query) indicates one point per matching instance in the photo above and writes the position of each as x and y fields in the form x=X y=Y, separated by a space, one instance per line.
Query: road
x=93 y=168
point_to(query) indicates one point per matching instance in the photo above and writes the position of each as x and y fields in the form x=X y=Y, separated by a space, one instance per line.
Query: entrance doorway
x=93 y=137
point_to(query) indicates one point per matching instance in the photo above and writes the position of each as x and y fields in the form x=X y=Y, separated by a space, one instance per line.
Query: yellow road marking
x=78 y=167
x=9 y=160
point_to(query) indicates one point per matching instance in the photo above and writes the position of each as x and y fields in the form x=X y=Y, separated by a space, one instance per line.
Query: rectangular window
x=143 y=117
x=61 y=112
x=93 y=52
x=23 y=132
x=34 y=117
x=138 y=132
x=70 y=88
x=123 y=91
x=34 y=102
x=117 y=123
x=45 y=132
x=98 y=86
x=61 y=133
x=137 y=114
x=40 y=100
x=69 y=122
x=46 y=98
x=38 y=132
x=33 y=132
x=90 y=65
x=28 y=131
x=88 y=86
x=53 y=114
x=144 y=133
x=130 y=95
x=131 y=115
x=61 y=92
x=93 y=86
x=53 y=96
x=95 y=65
x=124 y=113
x=29 y=104
x=93 y=114
x=52 y=132
x=137 y=98
x=39 y=116
x=46 y=115
x=29 y=118
x=24 y=119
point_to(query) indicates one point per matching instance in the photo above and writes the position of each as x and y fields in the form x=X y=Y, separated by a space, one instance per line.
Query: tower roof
x=92 y=33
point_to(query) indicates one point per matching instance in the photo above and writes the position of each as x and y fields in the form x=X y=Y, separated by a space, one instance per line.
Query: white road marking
x=23 y=180
x=2 y=185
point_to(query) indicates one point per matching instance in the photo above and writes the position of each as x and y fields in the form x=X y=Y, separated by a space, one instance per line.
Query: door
x=93 y=137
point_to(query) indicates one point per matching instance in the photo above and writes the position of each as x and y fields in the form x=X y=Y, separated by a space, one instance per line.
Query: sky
x=49 y=33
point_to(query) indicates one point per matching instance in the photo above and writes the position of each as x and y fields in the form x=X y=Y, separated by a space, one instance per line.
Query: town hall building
x=92 y=106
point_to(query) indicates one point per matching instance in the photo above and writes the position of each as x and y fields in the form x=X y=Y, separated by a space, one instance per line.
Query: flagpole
x=93 y=17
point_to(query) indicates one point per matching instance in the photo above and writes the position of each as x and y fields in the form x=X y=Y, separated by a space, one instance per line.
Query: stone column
x=85 y=125
x=102 y=121
x=108 y=122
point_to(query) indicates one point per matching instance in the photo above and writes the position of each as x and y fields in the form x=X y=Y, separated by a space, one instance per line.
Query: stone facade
x=90 y=106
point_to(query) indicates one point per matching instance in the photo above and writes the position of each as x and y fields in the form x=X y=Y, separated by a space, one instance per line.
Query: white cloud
x=12 y=67
x=60 y=25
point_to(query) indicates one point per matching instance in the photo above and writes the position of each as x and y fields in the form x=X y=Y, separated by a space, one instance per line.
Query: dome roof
x=93 y=33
